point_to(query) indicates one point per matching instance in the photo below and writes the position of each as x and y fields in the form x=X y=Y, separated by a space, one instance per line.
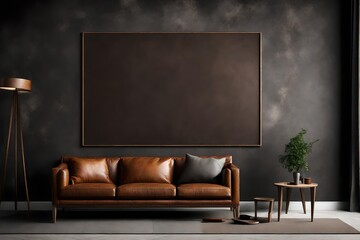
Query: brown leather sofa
x=130 y=182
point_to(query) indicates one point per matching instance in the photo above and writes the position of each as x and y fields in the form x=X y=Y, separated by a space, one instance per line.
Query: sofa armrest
x=226 y=177
x=59 y=180
x=234 y=183
x=63 y=178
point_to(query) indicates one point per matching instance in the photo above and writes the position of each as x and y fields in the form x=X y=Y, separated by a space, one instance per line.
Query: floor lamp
x=16 y=85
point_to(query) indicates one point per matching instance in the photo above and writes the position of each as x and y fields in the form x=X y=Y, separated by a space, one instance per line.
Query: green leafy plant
x=296 y=151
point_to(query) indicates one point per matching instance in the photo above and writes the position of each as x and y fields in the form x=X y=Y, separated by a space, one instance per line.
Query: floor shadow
x=46 y=216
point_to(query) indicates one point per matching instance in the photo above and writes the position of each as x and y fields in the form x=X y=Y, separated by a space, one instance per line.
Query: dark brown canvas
x=172 y=89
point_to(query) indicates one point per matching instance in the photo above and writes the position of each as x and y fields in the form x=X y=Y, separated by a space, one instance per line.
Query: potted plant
x=295 y=157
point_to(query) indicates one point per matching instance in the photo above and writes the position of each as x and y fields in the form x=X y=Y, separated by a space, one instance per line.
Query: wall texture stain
x=301 y=80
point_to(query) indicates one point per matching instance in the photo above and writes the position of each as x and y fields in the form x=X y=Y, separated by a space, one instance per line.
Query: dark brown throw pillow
x=201 y=170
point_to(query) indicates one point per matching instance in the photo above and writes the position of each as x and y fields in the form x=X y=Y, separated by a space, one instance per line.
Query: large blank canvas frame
x=171 y=89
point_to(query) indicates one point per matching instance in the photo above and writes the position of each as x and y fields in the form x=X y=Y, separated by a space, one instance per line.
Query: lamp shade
x=16 y=84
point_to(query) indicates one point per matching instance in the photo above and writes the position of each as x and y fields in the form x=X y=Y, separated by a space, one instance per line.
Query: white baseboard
x=297 y=206
x=245 y=206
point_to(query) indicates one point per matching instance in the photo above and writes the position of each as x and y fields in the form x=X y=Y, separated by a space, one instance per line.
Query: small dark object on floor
x=247 y=222
x=205 y=220
x=245 y=217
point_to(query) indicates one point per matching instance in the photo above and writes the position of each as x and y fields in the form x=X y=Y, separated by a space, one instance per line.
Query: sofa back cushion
x=113 y=165
x=88 y=170
x=146 y=170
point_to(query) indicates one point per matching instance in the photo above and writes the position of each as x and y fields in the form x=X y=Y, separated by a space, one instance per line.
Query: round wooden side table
x=281 y=185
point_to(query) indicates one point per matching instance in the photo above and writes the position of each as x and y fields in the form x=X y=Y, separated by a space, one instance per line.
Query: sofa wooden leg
x=235 y=212
x=54 y=211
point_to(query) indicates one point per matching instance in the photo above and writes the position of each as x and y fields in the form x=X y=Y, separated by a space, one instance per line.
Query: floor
x=352 y=219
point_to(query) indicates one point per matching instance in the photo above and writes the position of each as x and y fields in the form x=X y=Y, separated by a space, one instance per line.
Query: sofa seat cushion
x=203 y=191
x=88 y=191
x=146 y=191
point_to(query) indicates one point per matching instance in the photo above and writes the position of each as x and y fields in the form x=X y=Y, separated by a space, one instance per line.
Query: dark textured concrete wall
x=301 y=80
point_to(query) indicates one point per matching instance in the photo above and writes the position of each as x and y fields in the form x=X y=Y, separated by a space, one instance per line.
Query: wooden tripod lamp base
x=16 y=85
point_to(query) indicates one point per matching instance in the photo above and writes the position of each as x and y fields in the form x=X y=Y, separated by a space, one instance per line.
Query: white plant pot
x=296 y=176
